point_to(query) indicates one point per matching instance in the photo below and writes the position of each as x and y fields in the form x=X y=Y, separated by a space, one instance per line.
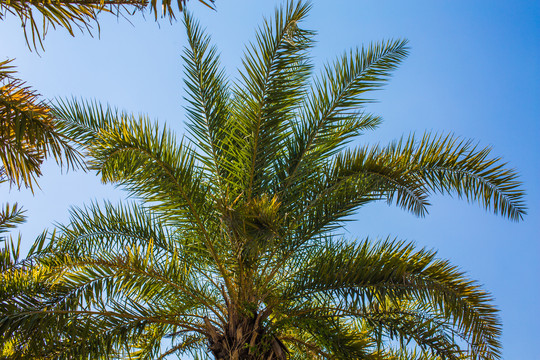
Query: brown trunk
x=244 y=339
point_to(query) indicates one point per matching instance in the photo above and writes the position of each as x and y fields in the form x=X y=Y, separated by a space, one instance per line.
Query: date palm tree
x=233 y=249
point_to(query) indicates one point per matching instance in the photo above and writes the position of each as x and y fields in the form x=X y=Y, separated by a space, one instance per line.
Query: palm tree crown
x=233 y=251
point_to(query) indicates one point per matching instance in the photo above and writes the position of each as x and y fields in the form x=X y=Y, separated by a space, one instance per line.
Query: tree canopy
x=233 y=249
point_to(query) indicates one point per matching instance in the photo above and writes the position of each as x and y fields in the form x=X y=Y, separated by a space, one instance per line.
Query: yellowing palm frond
x=28 y=132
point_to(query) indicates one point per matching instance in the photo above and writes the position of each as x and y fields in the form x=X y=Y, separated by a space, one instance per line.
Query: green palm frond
x=416 y=354
x=365 y=280
x=148 y=163
x=276 y=70
x=143 y=152
x=130 y=238
x=409 y=170
x=210 y=126
x=21 y=285
x=334 y=337
x=110 y=228
x=83 y=120
x=332 y=113
x=10 y=217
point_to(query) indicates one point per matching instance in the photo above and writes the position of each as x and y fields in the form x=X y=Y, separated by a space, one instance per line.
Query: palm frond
x=209 y=122
x=82 y=121
x=78 y=15
x=143 y=158
x=380 y=178
x=98 y=299
x=128 y=241
x=111 y=228
x=167 y=6
x=332 y=113
x=10 y=217
x=151 y=165
x=329 y=337
x=28 y=132
x=275 y=72
x=410 y=170
x=357 y=278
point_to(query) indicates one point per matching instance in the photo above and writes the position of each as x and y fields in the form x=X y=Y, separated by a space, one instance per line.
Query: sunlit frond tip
x=450 y=165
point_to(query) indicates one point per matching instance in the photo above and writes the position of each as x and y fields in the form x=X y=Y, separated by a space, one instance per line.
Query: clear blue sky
x=474 y=70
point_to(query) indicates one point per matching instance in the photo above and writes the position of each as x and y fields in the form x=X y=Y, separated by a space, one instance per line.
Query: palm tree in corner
x=234 y=249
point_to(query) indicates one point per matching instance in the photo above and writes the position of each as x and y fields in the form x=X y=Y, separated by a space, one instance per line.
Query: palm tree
x=234 y=249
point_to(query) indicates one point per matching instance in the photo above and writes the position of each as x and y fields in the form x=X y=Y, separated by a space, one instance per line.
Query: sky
x=473 y=71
